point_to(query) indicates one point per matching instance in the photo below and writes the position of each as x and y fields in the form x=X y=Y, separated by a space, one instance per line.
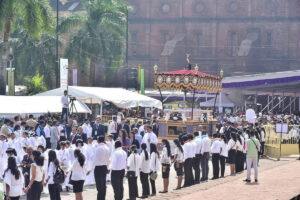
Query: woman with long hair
x=145 y=170
x=154 y=166
x=123 y=138
x=132 y=172
x=13 y=180
x=54 y=188
x=231 y=148
x=178 y=162
x=223 y=154
x=239 y=161
x=133 y=140
x=165 y=162
x=35 y=186
x=77 y=176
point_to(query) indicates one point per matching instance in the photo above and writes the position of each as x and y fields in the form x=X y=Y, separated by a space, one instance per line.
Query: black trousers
x=48 y=144
x=262 y=148
x=133 y=188
x=188 y=172
x=12 y=198
x=145 y=183
x=36 y=190
x=239 y=161
x=196 y=167
x=54 y=191
x=222 y=164
x=204 y=165
x=117 y=177
x=100 y=178
x=153 y=188
x=215 y=163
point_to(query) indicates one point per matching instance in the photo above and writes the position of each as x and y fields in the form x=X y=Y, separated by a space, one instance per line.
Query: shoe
x=196 y=182
x=143 y=197
x=246 y=180
x=152 y=195
x=222 y=177
x=213 y=178
x=178 y=188
x=163 y=192
x=256 y=180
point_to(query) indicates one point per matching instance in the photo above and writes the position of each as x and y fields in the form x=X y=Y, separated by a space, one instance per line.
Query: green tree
x=35 y=84
x=100 y=39
x=36 y=16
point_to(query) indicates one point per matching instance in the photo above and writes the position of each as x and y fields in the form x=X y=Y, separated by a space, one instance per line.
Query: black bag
x=130 y=174
x=59 y=176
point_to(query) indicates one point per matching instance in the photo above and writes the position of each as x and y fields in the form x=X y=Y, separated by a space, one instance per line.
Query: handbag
x=131 y=174
x=59 y=176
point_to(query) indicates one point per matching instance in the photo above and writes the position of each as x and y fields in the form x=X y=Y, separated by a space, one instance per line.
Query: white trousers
x=252 y=162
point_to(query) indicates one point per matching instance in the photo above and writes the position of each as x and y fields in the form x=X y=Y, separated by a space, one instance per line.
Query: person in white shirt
x=101 y=161
x=90 y=157
x=133 y=170
x=118 y=165
x=53 y=164
x=196 y=160
x=166 y=162
x=154 y=167
x=65 y=106
x=48 y=134
x=13 y=180
x=188 y=153
x=87 y=129
x=65 y=160
x=215 y=150
x=77 y=176
x=205 y=151
x=223 y=154
x=240 y=159
x=263 y=140
x=113 y=128
x=145 y=170
x=149 y=137
x=3 y=156
x=231 y=148
x=178 y=162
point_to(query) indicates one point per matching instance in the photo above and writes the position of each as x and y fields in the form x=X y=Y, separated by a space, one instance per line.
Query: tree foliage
x=35 y=84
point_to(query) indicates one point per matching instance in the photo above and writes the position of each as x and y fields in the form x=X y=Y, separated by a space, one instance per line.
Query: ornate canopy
x=188 y=80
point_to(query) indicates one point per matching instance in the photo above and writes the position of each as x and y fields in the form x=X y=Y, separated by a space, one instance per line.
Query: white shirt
x=145 y=164
x=154 y=162
x=38 y=172
x=198 y=142
x=194 y=144
x=64 y=158
x=262 y=136
x=51 y=172
x=206 y=142
x=239 y=146
x=165 y=159
x=179 y=155
x=102 y=155
x=15 y=185
x=216 y=146
x=47 y=131
x=224 y=151
x=188 y=150
x=65 y=101
x=141 y=129
x=78 y=172
x=87 y=129
x=149 y=136
x=231 y=145
x=113 y=127
x=133 y=163
x=250 y=116
x=118 y=161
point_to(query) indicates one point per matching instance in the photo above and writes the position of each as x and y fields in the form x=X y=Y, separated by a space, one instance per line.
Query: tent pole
x=214 y=112
x=101 y=109
x=193 y=104
x=161 y=97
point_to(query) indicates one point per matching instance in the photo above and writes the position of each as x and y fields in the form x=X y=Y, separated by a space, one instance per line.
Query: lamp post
x=11 y=74
x=221 y=76
x=127 y=35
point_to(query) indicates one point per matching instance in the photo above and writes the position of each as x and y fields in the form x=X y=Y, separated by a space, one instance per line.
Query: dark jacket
x=125 y=126
x=76 y=137
x=98 y=130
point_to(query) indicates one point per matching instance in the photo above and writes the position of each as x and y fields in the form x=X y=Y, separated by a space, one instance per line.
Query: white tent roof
x=225 y=102
x=118 y=96
x=35 y=105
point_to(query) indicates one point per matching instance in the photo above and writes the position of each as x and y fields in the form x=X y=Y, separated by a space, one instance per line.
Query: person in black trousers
x=188 y=150
x=196 y=159
x=215 y=150
x=145 y=170
x=132 y=170
x=223 y=155
x=54 y=188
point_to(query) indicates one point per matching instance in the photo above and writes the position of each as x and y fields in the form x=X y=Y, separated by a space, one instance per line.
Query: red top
x=190 y=72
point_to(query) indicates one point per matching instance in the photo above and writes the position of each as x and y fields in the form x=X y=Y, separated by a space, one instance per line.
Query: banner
x=63 y=72
x=75 y=77
x=142 y=85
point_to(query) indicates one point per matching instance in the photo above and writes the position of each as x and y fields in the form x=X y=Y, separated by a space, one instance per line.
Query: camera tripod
x=72 y=106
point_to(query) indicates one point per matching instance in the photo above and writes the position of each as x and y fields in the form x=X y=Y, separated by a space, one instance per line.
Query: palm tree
x=35 y=84
x=100 y=39
x=36 y=16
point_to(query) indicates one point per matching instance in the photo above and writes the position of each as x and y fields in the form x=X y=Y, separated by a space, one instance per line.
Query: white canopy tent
x=118 y=96
x=222 y=101
x=21 y=105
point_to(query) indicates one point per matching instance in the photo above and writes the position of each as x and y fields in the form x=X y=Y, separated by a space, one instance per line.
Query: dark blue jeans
x=65 y=111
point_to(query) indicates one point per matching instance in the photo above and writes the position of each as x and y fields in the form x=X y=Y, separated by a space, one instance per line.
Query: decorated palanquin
x=187 y=80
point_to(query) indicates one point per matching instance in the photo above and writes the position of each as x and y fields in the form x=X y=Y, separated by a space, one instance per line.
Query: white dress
x=90 y=152
x=15 y=185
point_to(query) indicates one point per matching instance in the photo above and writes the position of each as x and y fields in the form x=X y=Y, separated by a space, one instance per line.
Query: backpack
x=59 y=176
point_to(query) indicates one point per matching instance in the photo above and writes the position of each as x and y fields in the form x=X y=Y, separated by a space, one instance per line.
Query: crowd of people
x=35 y=153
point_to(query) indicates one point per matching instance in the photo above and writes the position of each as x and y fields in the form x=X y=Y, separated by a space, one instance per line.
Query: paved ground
x=277 y=180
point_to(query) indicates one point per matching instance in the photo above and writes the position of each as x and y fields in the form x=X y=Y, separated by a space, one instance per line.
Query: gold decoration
x=196 y=67
x=155 y=68
x=221 y=73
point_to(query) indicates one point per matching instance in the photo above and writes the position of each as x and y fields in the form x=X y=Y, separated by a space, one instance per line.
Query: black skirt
x=231 y=156
x=178 y=168
x=165 y=170
x=77 y=186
